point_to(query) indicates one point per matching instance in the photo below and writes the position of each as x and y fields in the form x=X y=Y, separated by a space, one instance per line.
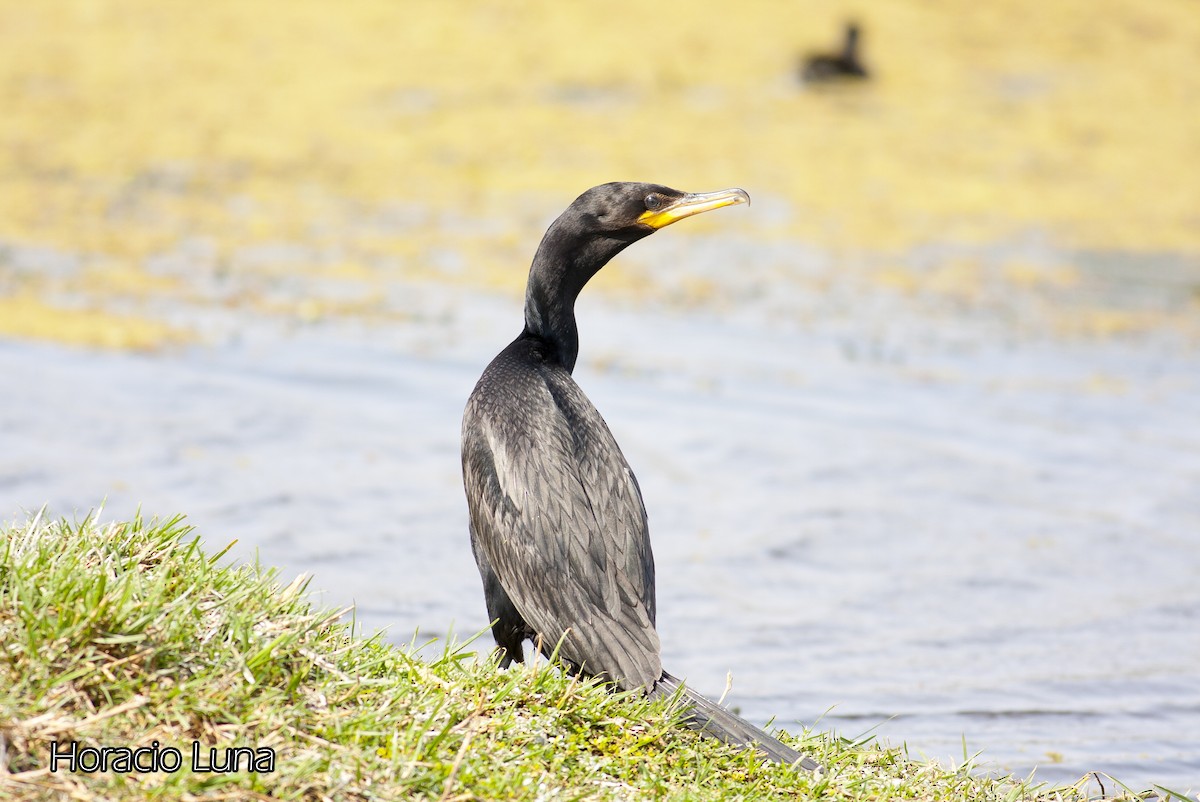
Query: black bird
x=557 y=522
x=846 y=64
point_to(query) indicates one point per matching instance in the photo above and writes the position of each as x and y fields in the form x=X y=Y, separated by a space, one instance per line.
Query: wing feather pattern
x=559 y=515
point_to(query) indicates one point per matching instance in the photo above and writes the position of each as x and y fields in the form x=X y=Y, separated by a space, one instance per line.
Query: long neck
x=564 y=263
x=850 y=50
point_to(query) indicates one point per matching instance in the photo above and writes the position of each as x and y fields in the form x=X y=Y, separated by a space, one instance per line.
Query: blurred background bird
x=830 y=67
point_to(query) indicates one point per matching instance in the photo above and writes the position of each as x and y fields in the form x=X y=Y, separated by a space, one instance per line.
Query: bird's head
x=630 y=210
x=597 y=226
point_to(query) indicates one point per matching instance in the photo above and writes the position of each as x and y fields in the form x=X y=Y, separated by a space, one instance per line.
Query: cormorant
x=844 y=65
x=557 y=522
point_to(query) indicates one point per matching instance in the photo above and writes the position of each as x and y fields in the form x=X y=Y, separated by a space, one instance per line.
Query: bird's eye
x=654 y=201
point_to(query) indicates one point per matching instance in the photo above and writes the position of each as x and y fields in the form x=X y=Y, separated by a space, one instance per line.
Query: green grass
x=124 y=634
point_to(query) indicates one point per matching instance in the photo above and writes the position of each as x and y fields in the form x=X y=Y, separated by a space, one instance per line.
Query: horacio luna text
x=71 y=756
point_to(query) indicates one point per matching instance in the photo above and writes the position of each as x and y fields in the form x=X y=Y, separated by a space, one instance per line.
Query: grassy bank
x=126 y=636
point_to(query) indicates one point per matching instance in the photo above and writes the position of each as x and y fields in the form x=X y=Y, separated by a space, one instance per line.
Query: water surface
x=899 y=517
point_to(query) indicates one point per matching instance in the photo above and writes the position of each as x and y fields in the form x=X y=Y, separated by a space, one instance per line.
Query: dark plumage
x=824 y=67
x=557 y=522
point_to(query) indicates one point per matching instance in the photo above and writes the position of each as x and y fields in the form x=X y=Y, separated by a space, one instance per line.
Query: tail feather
x=716 y=722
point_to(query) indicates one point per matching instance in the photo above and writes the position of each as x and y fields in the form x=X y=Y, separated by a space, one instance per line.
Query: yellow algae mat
x=435 y=138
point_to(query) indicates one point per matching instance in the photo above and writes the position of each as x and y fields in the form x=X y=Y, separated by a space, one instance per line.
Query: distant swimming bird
x=557 y=522
x=845 y=65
